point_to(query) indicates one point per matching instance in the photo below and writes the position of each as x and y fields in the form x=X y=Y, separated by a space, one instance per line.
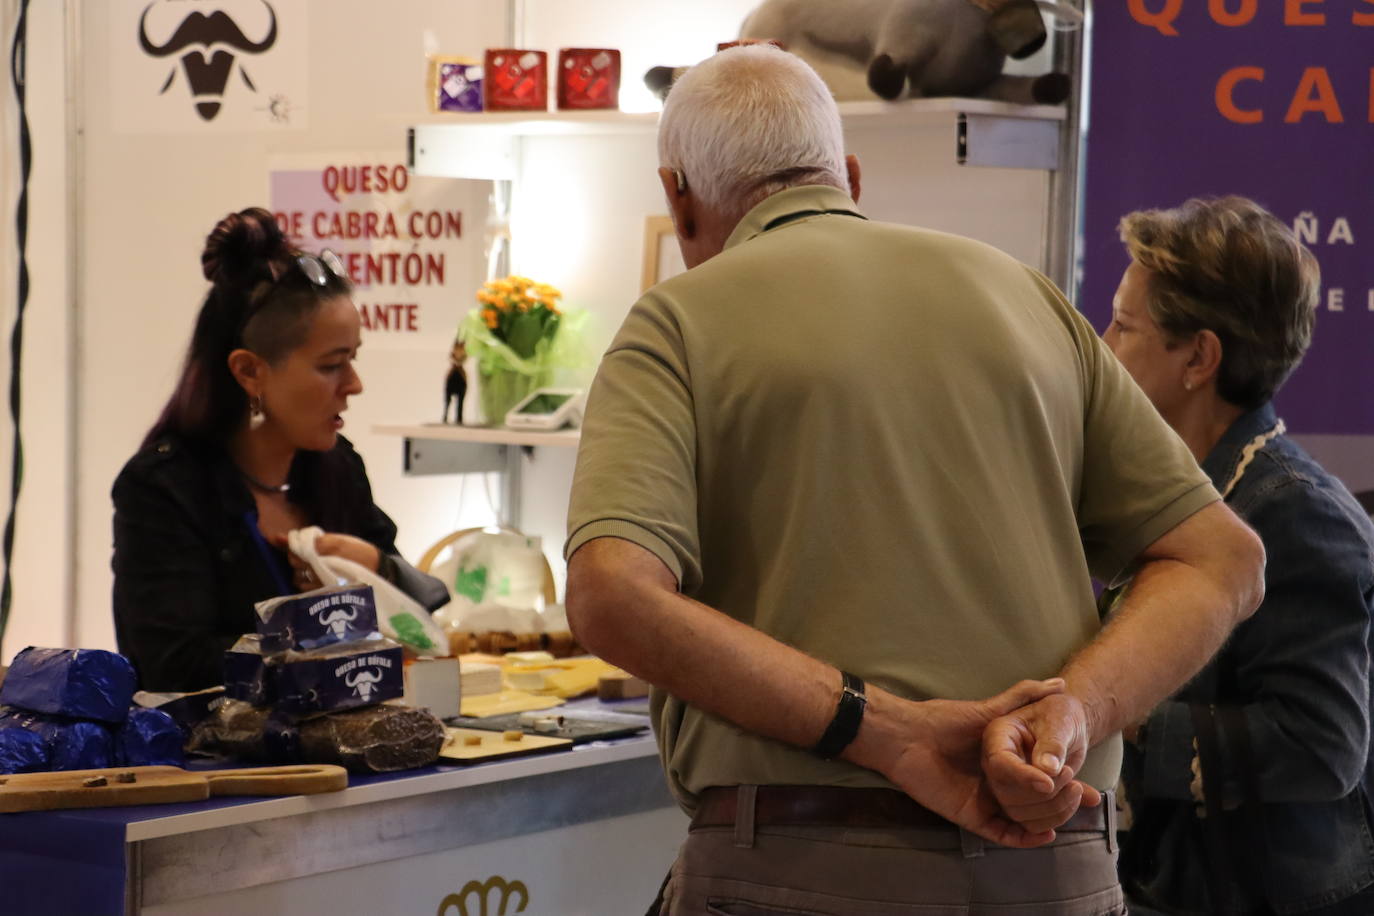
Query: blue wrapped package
x=310 y=620
x=21 y=751
x=76 y=683
x=149 y=737
x=71 y=745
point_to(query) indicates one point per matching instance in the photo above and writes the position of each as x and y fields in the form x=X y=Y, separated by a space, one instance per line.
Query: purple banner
x=1270 y=99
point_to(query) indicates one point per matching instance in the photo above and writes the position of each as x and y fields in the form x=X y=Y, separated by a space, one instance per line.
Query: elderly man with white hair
x=840 y=480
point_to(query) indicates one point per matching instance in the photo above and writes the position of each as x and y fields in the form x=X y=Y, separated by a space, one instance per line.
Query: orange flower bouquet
x=519 y=334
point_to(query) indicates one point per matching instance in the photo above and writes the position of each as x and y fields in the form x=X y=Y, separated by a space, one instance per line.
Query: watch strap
x=849 y=714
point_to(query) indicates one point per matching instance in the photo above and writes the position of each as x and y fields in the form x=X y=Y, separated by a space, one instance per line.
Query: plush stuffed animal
x=896 y=48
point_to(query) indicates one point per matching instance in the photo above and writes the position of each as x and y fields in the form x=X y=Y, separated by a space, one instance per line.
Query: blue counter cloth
x=41 y=851
x=77 y=683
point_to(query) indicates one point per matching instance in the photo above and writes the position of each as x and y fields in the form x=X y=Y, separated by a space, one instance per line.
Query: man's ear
x=1205 y=362
x=680 y=201
x=851 y=164
x=247 y=369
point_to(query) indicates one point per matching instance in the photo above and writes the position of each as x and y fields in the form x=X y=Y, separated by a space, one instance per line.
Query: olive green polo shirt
x=900 y=451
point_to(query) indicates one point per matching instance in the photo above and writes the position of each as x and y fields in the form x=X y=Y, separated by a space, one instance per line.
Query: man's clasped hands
x=1003 y=768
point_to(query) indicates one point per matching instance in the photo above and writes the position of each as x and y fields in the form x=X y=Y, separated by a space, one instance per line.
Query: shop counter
x=587 y=831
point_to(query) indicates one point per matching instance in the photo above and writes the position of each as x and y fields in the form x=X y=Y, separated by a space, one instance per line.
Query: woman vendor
x=246 y=449
x=1250 y=788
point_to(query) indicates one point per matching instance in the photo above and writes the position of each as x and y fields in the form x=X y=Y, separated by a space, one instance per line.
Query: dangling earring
x=255 y=415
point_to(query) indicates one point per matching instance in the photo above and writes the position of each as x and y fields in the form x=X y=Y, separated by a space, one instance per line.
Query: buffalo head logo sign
x=338 y=620
x=196 y=37
x=363 y=682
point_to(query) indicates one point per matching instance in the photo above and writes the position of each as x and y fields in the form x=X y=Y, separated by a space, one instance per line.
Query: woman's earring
x=255 y=415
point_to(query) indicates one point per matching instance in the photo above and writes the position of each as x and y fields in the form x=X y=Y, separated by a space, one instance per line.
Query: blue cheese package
x=149 y=737
x=311 y=620
x=245 y=674
x=21 y=751
x=340 y=677
x=75 y=683
x=70 y=745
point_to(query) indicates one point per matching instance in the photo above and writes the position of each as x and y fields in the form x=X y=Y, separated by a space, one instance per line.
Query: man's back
x=870 y=442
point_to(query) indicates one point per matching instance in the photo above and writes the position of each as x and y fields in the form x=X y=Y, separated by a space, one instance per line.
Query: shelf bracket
x=994 y=141
x=425 y=457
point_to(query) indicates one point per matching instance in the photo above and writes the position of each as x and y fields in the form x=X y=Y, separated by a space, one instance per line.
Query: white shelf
x=874 y=113
x=482 y=144
x=913 y=112
x=485 y=435
x=546 y=123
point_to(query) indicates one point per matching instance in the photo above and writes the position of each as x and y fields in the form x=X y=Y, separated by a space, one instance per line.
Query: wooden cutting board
x=159 y=785
x=494 y=745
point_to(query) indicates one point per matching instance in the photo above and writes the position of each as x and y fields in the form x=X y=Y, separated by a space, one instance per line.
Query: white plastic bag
x=399 y=616
x=495 y=581
x=502 y=568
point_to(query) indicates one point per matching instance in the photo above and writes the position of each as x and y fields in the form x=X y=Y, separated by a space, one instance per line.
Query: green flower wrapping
x=519 y=337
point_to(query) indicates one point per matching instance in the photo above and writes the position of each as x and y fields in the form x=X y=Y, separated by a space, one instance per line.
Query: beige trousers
x=844 y=871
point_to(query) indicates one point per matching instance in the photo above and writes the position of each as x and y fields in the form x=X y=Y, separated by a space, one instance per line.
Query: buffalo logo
x=207 y=78
x=494 y=898
x=364 y=681
x=338 y=620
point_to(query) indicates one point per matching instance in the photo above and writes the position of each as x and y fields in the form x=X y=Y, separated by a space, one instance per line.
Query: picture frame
x=662 y=258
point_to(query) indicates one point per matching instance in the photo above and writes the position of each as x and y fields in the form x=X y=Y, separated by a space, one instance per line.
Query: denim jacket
x=1298 y=671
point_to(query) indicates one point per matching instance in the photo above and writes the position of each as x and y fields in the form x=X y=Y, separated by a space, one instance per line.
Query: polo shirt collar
x=794 y=203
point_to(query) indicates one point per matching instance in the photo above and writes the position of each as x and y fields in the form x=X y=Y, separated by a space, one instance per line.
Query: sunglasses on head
x=315 y=266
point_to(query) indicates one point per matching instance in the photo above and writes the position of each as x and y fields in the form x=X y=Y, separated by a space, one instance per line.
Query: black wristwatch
x=848 y=714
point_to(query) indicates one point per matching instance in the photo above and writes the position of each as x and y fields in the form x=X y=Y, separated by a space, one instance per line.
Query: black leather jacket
x=187 y=571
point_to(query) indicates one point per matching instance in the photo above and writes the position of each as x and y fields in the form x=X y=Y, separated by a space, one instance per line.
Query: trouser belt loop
x=1110 y=815
x=744 y=816
x=972 y=844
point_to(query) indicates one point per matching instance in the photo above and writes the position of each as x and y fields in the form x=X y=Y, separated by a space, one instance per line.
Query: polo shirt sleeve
x=636 y=465
x=1139 y=480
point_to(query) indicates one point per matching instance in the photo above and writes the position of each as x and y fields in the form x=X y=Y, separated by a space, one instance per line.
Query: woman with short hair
x=1249 y=790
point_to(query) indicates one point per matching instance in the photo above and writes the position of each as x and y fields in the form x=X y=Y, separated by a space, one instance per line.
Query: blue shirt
x=1298 y=672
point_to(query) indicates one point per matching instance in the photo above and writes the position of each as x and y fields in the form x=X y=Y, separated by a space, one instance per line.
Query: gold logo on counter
x=490 y=899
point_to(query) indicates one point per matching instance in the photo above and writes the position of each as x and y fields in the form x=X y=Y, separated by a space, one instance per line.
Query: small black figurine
x=456 y=384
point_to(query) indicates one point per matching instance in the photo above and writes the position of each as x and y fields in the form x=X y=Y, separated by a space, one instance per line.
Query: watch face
x=545 y=403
